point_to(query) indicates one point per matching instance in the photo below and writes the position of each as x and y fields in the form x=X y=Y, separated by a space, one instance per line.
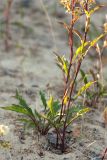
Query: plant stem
x=68 y=76
x=71 y=56
x=104 y=154
x=76 y=74
x=7 y=31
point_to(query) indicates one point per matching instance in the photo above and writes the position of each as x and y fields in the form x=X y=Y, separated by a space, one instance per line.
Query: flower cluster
x=68 y=3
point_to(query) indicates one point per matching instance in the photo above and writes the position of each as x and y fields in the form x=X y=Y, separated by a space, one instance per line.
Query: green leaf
x=37 y=114
x=42 y=95
x=75 y=109
x=50 y=104
x=87 y=13
x=81 y=50
x=96 y=8
x=62 y=62
x=24 y=120
x=56 y=106
x=28 y=123
x=85 y=47
x=65 y=67
x=22 y=102
x=16 y=108
x=79 y=113
x=84 y=88
x=52 y=122
x=93 y=42
x=55 y=111
x=84 y=76
x=83 y=111
x=66 y=26
x=78 y=34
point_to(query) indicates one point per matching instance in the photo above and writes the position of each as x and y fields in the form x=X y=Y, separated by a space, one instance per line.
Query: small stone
x=81 y=144
x=52 y=138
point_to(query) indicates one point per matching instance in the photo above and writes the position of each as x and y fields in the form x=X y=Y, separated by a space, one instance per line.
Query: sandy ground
x=30 y=67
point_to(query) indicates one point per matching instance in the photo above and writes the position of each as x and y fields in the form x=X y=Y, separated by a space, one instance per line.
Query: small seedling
x=33 y=118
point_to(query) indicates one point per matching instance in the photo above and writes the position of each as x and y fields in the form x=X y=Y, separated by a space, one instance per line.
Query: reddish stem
x=76 y=74
x=7 y=31
x=104 y=154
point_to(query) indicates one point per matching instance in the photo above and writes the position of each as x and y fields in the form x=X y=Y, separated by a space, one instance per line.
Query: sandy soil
x=30 y=66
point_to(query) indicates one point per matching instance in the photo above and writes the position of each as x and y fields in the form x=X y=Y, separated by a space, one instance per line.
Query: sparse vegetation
x=82 y=91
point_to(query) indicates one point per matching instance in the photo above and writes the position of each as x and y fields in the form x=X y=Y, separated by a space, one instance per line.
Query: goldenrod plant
x=76 y=9
x=60 y=114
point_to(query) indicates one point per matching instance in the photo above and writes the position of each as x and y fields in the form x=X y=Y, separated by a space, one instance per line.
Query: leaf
x=24 y=120
x=22 y=102
x=84 y=88
x=93 y=42
x=28 y=123
x=75 y=109
x=79 y=113
x=42 y=95
x=50 y=104
x=84 y=48
x=95 y=9
x=52 y=122
x=56 y=106
x=16 y=108
x=62 y=63
x=65 y=67
x=67 y=27
x=87 y=13
x=81 y=50
x=22 y=107
x=37 y=114
x=84 y=76
x=55 y=111
x=83 y=111
x=66 y=98
x=78 y=34
x=58 y=58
